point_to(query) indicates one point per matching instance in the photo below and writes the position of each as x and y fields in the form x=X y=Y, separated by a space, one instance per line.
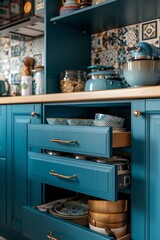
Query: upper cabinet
x=68 y=37
x=108 y=15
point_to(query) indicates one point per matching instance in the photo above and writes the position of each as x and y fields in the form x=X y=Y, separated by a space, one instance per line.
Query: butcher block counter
x=116 y=94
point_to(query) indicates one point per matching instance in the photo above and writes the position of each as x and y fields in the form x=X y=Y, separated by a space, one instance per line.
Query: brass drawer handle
x=63 y=141
x=52 y=172
x=49 y=236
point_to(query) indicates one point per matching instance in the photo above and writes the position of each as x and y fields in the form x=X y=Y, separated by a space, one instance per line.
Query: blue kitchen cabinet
x=63 y=175
x=2 y=131
x=18 y=185
x=3 y=164
x=145 y=210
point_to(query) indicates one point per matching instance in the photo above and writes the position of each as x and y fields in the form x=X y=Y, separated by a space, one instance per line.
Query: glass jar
x=72 y=81
x=94 y=2
x=15 y=89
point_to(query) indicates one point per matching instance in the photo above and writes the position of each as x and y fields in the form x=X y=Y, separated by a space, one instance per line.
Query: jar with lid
x=26 y=85
x=39 y=80
x=72 y=81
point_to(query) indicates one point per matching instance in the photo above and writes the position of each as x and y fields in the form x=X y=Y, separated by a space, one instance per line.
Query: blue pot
x=101 y=84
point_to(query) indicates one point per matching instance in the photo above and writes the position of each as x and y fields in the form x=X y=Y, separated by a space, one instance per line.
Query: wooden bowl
x=109 y=217
x=100 y=224
x=102 y=206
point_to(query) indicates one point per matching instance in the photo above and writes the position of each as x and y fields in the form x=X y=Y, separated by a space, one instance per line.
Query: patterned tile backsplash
x=12 y=52
x=108 y=48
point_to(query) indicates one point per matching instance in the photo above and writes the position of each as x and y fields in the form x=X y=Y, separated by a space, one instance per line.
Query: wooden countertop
x=116 y=94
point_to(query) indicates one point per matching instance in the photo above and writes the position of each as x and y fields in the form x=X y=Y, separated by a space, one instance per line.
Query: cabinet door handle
x=49 y=236
x=33 y=114
x=52 y=172
x=137 y=113
x=63 y=141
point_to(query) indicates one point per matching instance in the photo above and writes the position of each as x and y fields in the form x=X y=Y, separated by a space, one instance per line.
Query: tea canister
x=39 y=80
x=26 y=85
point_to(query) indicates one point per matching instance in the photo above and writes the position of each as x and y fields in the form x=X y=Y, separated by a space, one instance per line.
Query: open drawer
x=38 y=225
x=87 y=140
x=87 y=177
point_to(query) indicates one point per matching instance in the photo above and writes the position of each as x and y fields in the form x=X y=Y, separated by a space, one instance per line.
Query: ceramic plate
x=71 y=208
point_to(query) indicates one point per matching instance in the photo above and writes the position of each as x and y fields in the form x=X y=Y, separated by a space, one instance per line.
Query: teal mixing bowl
x=139 y=73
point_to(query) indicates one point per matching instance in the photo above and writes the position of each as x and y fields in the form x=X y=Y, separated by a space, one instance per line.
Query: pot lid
x=99 y=67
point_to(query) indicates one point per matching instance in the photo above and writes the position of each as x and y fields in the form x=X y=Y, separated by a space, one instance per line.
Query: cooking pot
x=102 y=78
x=123 y=170
x=122 y=164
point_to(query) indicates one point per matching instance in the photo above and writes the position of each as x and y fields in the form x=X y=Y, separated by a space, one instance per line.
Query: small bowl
x=57 y=121
x=119 y=232
x=81 y=122
x=104 y=123
x=109 y=120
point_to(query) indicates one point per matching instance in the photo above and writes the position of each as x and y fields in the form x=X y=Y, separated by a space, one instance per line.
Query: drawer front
x=95 y=179
x=37 y=225
x=89 y=140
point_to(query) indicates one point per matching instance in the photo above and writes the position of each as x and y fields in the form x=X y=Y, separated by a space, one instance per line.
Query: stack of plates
x=74 y=211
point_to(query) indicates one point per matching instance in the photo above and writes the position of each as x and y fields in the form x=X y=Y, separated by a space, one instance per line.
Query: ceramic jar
x=39 y=80
x=69 y=6
x=26 y=85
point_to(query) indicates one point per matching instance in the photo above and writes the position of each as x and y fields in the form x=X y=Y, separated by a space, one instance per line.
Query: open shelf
x=110 y=15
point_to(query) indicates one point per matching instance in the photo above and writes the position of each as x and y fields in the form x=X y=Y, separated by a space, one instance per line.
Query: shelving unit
x=110 y=15
x=68 y=37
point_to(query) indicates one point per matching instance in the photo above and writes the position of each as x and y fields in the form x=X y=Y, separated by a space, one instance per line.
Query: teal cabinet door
x=153 y=168
x=138 y=168
x=3 y=164
x=19 y=189
x=3 y=191
x=145 y=210
x=2 y=131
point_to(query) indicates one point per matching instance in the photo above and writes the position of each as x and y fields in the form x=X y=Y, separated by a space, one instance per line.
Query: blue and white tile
x=150 y=32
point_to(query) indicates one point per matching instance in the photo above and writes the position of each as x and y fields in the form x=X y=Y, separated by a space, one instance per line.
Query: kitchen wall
x=12 y=52
x=108 y=48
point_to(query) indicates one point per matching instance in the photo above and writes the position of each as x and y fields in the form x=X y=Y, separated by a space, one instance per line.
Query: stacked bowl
x=73 y=210
x=109 y=121
x=108 y=217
